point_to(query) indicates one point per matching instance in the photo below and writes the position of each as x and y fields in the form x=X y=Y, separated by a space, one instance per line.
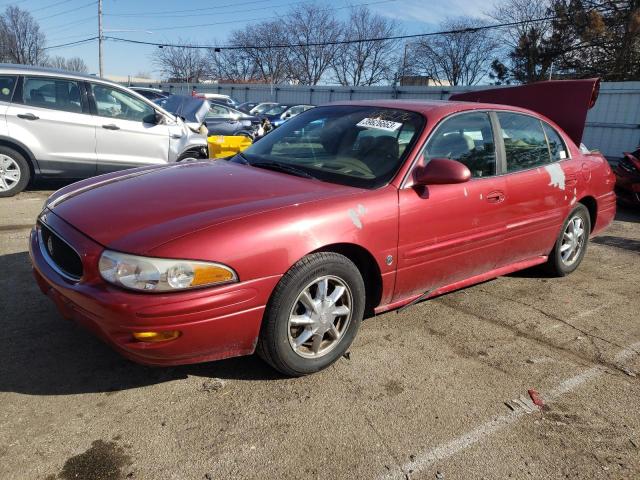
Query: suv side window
x=216 y=110
x=525 y=143
x=467 y=138
x=7 y=84
x=557 y=147
x=114 y=103
x=53 y=93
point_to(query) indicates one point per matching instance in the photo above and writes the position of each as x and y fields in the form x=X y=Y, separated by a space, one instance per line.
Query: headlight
x=160 y=274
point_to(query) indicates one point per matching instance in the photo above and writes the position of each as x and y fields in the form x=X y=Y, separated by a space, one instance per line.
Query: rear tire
x=313 y=315
x=14 y=172
x=571 y=244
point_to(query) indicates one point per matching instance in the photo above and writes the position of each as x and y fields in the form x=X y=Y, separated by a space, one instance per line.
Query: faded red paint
x=260 y=222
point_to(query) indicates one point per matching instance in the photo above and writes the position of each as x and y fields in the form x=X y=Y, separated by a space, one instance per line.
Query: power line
x=336 y=42
x=86 y=40
x=172 y=12
x=50 y=6
x=67 y=26
x=317 y=44
x=67 y=11
x=174 y=27
x=244 y=10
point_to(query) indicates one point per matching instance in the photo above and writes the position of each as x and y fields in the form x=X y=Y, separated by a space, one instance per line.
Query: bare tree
x=262 y=45
x=525 y=44
x=181 y=64
x=462 y=57
x=366 y=62
x=21 y=40
x=73 y=64
x=232 y=66
x=311 y=24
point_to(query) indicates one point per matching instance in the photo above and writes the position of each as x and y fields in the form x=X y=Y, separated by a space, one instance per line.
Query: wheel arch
x=24 y=151
x=368 y=267
x=592 y=207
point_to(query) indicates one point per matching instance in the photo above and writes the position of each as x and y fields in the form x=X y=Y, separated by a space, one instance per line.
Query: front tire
x=313 y=315
x=14 y=172
x=571 y=244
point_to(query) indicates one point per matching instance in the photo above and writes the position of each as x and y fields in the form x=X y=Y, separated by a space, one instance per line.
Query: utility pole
x=100 y=39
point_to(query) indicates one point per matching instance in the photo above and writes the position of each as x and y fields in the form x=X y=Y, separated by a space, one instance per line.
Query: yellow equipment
x=221 y=146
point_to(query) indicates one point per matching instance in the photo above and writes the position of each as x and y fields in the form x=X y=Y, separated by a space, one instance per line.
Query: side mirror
x=441 y=171
x=154 y=118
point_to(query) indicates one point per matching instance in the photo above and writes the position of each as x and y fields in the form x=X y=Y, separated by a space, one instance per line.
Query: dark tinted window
x=524 y=141
x=52 y=93
x=467 y=138
x=362 y=146
x=7 y=84
x=557 y=148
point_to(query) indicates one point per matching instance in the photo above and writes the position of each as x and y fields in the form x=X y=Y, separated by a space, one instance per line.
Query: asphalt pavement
x=440 y=390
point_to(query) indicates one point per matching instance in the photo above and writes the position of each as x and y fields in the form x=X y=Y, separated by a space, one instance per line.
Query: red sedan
x=345 y=210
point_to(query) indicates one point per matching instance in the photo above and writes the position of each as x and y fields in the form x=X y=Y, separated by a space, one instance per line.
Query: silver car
x=60 y=124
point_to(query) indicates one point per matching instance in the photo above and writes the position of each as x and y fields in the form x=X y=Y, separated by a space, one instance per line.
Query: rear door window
x=53 y=93
x=525 y=143
x=7 y=85
x=557 y=147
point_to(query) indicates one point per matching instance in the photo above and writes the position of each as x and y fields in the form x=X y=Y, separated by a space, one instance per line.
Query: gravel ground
x=437 y=391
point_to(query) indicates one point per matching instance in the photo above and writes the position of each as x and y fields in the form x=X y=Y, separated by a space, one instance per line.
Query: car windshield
x=355 y=145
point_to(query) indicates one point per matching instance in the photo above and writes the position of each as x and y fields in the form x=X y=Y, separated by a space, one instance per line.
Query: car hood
x=139 y=210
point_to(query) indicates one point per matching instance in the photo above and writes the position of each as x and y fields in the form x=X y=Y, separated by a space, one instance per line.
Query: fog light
x=154 y=337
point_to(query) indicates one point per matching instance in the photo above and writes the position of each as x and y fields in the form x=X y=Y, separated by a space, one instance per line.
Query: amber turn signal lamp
x=155 y=337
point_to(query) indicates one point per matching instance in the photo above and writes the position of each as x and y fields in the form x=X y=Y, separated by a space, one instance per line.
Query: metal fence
x=613 y=124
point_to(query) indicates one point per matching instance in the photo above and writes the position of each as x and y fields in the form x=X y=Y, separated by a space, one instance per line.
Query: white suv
x=63 y=125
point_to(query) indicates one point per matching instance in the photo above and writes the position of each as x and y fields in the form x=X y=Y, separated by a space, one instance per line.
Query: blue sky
x=70 y=20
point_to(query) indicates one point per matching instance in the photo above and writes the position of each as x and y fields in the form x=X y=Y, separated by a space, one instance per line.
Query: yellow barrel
x=221 y=146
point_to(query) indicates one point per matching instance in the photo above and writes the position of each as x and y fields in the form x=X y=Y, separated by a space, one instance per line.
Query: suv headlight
x=161 y=274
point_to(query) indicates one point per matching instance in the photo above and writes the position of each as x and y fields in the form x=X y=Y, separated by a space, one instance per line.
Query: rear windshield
x=7 y=84
x=360 y=146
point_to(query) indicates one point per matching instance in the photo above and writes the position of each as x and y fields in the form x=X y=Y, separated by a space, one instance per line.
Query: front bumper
x=215 y=323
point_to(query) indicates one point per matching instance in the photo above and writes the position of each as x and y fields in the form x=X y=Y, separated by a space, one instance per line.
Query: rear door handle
x=495 y=197
x=111 y=126
x=28 y=116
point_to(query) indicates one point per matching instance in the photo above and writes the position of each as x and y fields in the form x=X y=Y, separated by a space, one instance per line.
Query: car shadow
x=41 y=353
x=618 y=242
x=628 y=214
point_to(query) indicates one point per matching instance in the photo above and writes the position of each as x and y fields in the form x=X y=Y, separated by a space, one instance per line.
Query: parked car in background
x=628 y=179
x=151 y=93
x=281 y=113
x=262 y=107
x=348 y=208
x=58 y=124
x=247 y=106
x=219 y=98
x=225 y=120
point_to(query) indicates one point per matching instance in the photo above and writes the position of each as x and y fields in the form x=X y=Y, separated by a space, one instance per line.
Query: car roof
x=12 y=68
x=435 y=107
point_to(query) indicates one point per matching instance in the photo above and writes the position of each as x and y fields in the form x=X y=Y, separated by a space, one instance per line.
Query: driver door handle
x=495 y=197
x=111 y=126
x=28 y=116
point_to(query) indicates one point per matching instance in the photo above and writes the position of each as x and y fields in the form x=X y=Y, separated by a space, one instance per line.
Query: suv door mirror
x=155 y=118
x=441 y=171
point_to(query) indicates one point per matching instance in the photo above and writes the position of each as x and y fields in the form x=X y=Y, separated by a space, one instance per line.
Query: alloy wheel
x=573 y=239
x=320 y=316
x=9 y=173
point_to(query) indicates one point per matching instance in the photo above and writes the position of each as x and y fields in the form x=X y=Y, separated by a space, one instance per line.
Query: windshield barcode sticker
x=380 y=124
